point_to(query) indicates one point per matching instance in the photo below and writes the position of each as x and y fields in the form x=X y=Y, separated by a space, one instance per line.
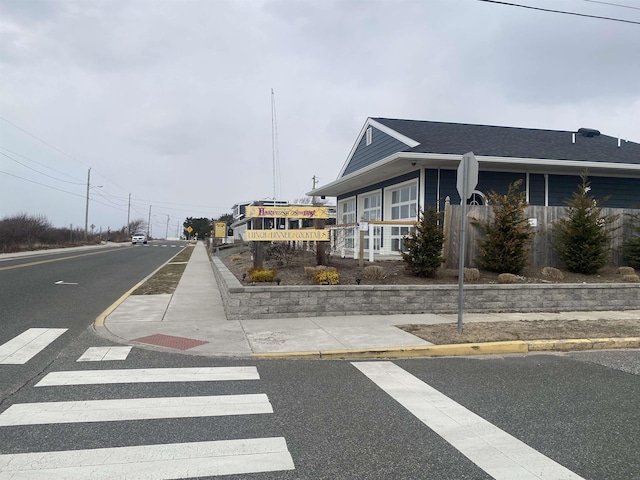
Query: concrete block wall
x=256 y=302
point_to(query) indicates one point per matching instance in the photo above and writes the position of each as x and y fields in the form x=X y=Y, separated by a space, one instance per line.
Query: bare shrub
x=311 y=272
x=507 y=278
x=631 y=278
x=471 y=274
x=374 y=272
x=551 y=273
x=626 y=271
x=236 y=258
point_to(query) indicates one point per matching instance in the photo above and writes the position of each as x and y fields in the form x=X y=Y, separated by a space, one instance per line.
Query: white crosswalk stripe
x=27 y=345
x=134 y=409
x=499 y=454
x=149 y=375
x=103 y=354
x=153 y=461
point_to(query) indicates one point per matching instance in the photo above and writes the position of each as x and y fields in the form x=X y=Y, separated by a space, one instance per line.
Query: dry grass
x=626 y=271
x=471 y=274
x=374 y=272
x=551 y=273
x=445 y=334
x=507 y=278
x=166 y=279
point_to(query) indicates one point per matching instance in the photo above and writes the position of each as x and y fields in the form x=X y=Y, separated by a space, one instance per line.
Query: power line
x=38 y=171
x=612 y=4
x=42 y=184
x=43 y=141
x=559 y=11
x=39 y=163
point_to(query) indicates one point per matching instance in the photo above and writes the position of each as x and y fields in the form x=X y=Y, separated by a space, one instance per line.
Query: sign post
x=466 y=182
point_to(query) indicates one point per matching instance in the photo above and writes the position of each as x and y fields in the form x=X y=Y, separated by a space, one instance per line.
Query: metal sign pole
x=463 y=223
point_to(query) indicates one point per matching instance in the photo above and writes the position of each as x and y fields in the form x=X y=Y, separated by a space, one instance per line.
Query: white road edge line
x=149 y=375
x=153 y=462
x=501 y=455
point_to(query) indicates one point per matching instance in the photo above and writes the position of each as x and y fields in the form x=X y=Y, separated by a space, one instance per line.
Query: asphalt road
x=31 y=298
x=580 y=410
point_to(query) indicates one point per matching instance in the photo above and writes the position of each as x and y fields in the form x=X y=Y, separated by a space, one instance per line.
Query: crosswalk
x=24 y=347
x=493 y=450
x=152 y=461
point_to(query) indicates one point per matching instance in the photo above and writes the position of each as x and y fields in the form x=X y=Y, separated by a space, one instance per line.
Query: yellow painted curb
x=407 y=352
x=99 y=321
x=462 y=349
x=583 y=344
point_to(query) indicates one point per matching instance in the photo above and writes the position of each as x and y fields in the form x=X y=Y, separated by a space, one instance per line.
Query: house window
x=369 y=136
x=372 y=210
x=404 y=206
x=347 y=214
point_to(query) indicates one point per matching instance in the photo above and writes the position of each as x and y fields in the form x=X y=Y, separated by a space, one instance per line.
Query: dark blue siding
x=536 y=189
x=382 y=146
x=430 y=187
x=499 y=181
x=622 y=192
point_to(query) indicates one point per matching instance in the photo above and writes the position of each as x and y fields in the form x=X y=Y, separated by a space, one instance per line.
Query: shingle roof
x=486 y=140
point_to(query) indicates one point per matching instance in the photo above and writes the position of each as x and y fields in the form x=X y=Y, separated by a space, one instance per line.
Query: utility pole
x=129 y=217
x=149 y=224
x=166 y=235
x=86 y=211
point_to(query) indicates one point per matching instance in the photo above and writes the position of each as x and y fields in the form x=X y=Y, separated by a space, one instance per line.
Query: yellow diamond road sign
x=189 y=229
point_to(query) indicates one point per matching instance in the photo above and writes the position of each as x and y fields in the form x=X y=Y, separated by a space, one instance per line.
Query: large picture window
x=404 y=206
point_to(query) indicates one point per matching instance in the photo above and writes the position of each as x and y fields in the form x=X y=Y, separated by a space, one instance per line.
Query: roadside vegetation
x=24 y=232
x=166 y=279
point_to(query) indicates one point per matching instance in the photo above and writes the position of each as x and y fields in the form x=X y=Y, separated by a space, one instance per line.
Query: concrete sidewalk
x=192 y=320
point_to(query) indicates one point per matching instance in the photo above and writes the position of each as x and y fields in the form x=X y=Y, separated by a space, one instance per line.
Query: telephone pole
x=86 y=210
x=149 y=224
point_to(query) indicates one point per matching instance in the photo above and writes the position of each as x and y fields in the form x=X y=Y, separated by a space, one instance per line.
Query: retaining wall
x=241 y=303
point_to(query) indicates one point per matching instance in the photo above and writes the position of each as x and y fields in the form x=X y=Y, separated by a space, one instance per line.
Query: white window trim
x=387 y=197
x=340 y=205
x=362 y=196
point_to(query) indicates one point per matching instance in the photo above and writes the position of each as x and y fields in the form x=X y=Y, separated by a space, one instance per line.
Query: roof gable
x=384 y=142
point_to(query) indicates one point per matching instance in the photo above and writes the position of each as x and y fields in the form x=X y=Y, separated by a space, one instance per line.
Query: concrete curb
x=465 y=349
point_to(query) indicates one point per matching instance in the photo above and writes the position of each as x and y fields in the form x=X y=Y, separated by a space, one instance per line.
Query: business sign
x=286 y=212
x=302 y=235
x=220 y=230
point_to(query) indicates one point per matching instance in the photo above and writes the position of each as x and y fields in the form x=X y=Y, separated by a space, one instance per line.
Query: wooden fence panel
x=541 y=252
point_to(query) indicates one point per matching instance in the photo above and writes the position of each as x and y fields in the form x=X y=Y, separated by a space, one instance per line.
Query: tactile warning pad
x=179 y=343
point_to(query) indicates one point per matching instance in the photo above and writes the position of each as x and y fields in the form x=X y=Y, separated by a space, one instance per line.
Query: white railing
x=384 y=237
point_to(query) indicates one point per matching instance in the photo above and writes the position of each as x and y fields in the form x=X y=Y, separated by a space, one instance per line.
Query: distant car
x=139 y=238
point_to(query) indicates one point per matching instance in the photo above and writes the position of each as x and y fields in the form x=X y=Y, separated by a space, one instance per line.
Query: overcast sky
x=170 y=101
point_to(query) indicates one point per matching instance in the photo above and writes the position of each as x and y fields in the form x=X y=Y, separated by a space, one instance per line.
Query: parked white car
x=139 y=238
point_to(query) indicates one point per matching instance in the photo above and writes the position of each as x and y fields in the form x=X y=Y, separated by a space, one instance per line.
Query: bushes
x=631 y=247
x=581 y=239
x=508 y=233
x=424 y=244
x=260 y=275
